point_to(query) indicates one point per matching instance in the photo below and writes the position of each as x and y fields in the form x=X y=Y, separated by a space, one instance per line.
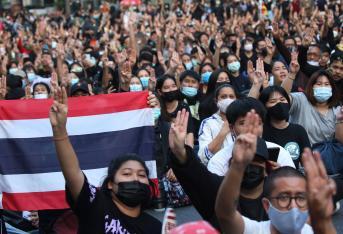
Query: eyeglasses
x=284 y=201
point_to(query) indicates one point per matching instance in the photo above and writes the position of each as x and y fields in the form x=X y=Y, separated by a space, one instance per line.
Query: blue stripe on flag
x=37 y=155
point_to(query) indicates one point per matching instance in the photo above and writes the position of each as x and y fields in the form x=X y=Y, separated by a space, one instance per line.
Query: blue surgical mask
x=145 y=81
x=135 y=88
x=290 y=222
x=194 y=62
x=322 y=94
x=234 y=66
x=31 y=76
x=189 y=66
x=156 y=112
x=189 y=91
x=74 y=81
x=205 y=77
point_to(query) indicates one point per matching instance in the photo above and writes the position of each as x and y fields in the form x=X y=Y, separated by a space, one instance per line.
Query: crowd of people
x=247 y=100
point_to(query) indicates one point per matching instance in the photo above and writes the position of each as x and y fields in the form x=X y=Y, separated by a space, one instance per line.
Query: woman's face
x=279 y=71
x=322 y=81
x=206 y=68
x=143 y=73
x=129 y=171
x=231 y=59
x=186 y=59
x=274 y=99
x=40 y=89
x=222 y=77
x=225 y=93
x=168 y=85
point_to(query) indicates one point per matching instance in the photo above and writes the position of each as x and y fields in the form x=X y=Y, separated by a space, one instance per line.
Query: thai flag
x=100 y=128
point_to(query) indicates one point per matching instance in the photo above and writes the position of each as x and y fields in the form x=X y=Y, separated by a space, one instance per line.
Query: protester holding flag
x=123 y=195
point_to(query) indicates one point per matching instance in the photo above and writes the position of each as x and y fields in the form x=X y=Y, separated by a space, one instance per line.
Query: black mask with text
x=280 y=111
x=133 y=193
x=253 y=176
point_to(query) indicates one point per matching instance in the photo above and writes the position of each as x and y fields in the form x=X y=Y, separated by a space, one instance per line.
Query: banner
x=100 y=128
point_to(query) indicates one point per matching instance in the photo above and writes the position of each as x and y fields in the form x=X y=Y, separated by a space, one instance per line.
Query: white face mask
x=313 y=63
x=248 y=47
x=40 y=96
x=224 y=104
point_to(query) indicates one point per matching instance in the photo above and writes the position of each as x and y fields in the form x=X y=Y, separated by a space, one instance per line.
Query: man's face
x=289 y=43
x=336 y=68
x=313 y=54
x=190 y=82
x=240 y=128
x=284 y=189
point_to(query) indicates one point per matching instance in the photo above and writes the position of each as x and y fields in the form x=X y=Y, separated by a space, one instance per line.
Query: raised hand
x=3 y=87
x=320 y=188
x=28 y=94
x=294 y=66
x=178 y=133
x=245 y=145
x=175 y=60
x=276 y=31
x=59 y=110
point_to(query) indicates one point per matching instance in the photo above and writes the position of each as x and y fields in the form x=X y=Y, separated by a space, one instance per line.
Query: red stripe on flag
x=35 y=201
x=44 y=200
x=80 y=106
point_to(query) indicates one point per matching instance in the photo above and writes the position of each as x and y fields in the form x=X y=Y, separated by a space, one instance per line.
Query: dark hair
x=285 y=171
x=212 y=83
x=290 y=38
x=160 y=81
x=142 y=69
x=267 y=92
x=333 y=100
x=204 y=65
x=116 y=163
x=240 y=107
x=216 y=93
x=276 y=61
x=41 y=83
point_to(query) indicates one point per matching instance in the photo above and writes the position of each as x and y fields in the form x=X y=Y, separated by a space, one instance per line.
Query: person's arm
x=217 y=142
x=60 y=58
x=216 y=57
x=3 y=87
x=133 y=42
x=339 y=125
x=65 y=152
x=320 y=191
x=230 y=220
x=279 y=45
x=190 y=172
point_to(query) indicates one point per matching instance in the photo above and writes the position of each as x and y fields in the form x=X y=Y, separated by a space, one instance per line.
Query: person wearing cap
x=190 y=83
x=202 y=186
x=79 y=89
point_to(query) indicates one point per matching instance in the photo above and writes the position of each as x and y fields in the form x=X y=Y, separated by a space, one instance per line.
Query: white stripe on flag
x=53 y=181
x=81 y=125
x=0 y=203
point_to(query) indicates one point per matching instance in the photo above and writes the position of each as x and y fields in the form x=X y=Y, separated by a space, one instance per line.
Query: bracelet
x=62 y=138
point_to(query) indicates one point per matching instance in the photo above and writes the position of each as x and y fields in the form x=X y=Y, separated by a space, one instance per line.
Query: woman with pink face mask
x=214 y=131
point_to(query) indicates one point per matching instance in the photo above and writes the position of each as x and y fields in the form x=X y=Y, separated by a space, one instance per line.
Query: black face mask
x=171 y=95
x=264 y=52
x=253 y=176
x=133 y=193
x=279 y=111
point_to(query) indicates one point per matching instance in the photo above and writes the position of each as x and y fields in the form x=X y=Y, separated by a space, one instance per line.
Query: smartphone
x=273 y=153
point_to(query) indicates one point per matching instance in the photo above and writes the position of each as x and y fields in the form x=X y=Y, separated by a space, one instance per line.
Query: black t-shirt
x=293 y=138
x=97 y=213
x=240 y=83
x=252 y=208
